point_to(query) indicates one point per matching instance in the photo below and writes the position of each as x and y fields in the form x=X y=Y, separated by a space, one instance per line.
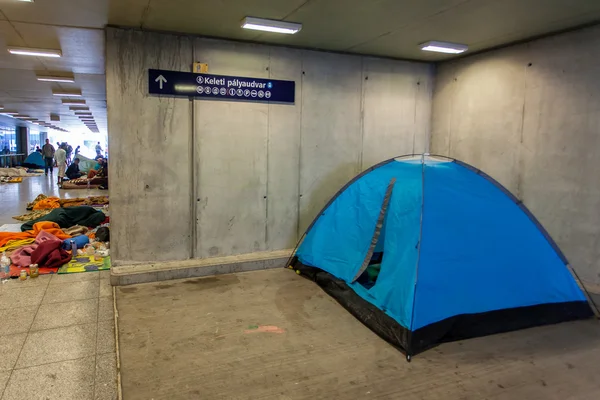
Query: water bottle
x=4 y=268
x=74 y=248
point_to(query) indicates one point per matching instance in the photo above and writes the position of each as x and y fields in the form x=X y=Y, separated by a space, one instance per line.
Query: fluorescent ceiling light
x=73 y=102
x=26 y=51
x=9 y=112
x=271 y=25
x=444 y=47
x=26 y=1
x=74 y=93
x=79 y=108
x=48 y=78
x=83 y=113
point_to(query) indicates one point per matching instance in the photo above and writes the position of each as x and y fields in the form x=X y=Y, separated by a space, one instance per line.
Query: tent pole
x=412 y=317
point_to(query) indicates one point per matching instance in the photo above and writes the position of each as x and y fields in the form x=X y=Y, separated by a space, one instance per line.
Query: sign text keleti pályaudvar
x=219 y=87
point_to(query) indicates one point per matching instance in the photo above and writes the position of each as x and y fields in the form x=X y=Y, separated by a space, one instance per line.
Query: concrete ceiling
x=391 y=28
x=74 y=27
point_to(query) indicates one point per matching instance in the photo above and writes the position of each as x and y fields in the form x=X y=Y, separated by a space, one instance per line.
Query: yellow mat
x=85 y=264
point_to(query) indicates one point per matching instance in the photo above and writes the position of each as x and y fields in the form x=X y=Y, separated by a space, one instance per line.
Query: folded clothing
x=68 y=217
x=50 y=255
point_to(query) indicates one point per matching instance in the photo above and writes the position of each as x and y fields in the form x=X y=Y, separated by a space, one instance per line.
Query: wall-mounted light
x=271 y=25
x=444 y=47
x=27 y=51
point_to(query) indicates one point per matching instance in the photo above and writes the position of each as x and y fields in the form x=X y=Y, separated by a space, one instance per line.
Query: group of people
x=69 y=168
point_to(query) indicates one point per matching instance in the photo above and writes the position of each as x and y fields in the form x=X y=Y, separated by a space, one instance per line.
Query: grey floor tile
x=65 y=314
x=105 y=288
x=105 y=309
x=41 y=280
x=72 y=291
x=20 y=298
x=59 y=279
x=106 y=377
x=72 y=380
x=105 y=274
x=10 y=346
x=106 y=337
x=16 y=320
x=3 y=380
x=61 y=344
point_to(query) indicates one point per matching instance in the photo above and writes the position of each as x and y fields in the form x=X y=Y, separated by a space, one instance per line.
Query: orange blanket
x=50 y=202
x=50 y=227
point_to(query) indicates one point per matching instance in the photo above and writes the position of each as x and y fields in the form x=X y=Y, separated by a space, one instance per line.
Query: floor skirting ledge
x=130 y=274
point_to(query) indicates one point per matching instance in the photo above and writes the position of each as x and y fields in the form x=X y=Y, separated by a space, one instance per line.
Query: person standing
x=48 y=153
x=98 y=150
x=69 y=150
x=61 y=163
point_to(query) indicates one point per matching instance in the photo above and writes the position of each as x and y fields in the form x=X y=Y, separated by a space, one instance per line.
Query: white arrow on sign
x=161 y=79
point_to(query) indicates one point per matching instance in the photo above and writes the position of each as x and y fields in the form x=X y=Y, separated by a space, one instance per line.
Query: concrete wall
x=196 y=179
x=529 y=115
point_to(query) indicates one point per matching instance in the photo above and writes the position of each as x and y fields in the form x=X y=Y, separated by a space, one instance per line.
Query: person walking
x=61 y=163
x=98 y=150
x=48 y=153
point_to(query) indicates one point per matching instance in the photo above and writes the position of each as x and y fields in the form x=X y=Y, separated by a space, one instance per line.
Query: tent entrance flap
x=378 y=227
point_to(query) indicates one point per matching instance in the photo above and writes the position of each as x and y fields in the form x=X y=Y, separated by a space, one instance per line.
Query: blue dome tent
x=34 y=160
x=426 y=249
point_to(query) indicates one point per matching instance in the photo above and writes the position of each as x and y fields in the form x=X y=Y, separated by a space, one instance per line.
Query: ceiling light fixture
x=444 y=47
x=26 y=1
x=74 y=93
x=74 y=102
x=79 y=108
x=83 y=113
x=48 y=78
x=26 y=51
x=271 y=25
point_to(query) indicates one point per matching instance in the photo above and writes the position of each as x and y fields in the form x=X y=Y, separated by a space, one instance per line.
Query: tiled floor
x=57 y=338
x=15 y=196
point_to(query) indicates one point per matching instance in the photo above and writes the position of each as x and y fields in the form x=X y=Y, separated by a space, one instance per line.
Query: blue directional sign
x=220 y=87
